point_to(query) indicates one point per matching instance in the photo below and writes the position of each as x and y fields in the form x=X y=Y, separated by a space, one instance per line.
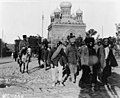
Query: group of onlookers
x=94 y=59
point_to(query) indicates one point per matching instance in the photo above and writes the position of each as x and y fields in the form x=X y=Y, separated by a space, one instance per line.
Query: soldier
x=23 y=56
x=72 y=55
x=23 y=44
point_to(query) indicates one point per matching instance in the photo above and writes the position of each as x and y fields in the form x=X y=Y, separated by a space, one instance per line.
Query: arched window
x=57 y=16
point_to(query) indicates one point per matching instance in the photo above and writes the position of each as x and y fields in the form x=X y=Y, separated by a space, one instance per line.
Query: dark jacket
x=63 y=61
x=111 y=58
x=39 y=53
x=110 y=61
x=44 y=53
x=72 y=54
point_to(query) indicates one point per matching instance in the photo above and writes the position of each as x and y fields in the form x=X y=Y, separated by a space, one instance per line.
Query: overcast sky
x=18 y=17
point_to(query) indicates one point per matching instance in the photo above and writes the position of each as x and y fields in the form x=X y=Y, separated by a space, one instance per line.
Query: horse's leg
x=27 y=66
x=23 y=67
x=20 y=65
x=30 y=58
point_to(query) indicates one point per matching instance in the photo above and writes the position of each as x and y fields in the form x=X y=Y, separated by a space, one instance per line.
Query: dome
x=52 y=15
x=79 y=11
x=57 y=10
x=73 y=15
x=65 y=4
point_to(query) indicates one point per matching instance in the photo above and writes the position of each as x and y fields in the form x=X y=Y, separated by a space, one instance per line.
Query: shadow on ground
x=30 y=71
x=100 y=91
x=114 y=79
x=6 y=62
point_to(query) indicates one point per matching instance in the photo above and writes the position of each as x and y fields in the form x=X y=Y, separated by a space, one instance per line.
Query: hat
x=24 y=36
x=105 y=39
x=99 y=41
x=72 y=37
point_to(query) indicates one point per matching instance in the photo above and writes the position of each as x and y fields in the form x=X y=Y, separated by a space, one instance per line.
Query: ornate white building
x=63 y=22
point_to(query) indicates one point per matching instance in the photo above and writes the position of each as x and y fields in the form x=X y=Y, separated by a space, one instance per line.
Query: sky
x=18 y=17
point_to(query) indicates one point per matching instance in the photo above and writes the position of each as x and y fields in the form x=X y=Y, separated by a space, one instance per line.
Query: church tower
x=65 y=9
x=63 y=23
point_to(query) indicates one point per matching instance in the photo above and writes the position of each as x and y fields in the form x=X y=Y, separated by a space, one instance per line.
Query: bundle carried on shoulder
x=56 y=52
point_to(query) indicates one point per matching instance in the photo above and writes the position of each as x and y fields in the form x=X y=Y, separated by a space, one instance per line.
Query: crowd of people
x=94 y=59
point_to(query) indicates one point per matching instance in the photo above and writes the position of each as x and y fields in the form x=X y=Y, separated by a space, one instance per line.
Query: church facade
x=63 y=23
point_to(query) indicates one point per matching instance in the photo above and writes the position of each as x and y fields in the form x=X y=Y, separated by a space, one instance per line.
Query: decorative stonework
x=63 y=22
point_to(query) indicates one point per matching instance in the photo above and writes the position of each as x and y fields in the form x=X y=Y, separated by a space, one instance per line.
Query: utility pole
x=2 y=43
x=42 y=23
x=102 y=31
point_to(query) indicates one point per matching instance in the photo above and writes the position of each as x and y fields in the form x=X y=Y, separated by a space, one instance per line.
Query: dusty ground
x=37 y=84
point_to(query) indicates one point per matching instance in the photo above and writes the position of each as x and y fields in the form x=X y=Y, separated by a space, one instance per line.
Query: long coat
x=88 y=56
x=84 y=55
x=101 y=57
x=106 y=64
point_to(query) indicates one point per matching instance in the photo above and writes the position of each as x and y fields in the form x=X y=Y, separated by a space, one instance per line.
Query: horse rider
x=22 y=45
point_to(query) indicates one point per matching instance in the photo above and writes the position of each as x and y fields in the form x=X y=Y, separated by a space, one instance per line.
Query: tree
x=34 y=42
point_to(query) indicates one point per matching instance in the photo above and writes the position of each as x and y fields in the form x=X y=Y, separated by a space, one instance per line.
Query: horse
x=24 y=60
